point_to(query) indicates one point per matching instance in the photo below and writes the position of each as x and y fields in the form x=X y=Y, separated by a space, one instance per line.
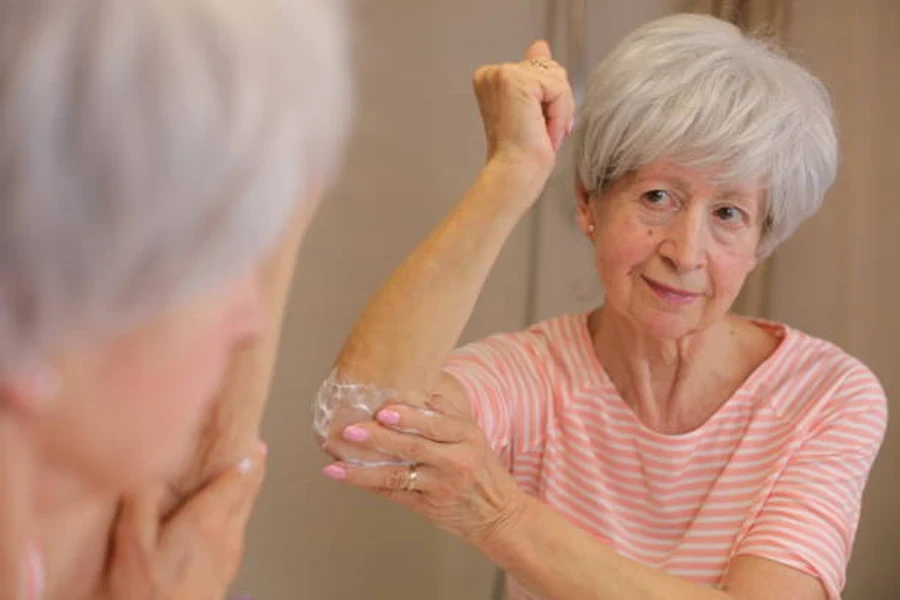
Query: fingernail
x=245 y=465
x=263 y=448
x=35 y=561
x=354 y=433
x=335 y=472
x=389 y=417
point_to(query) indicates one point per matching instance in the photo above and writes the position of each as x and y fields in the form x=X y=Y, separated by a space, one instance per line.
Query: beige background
x=417 y=144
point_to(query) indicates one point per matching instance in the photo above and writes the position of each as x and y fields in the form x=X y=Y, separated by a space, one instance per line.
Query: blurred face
x=672 y=246
x=129 y=410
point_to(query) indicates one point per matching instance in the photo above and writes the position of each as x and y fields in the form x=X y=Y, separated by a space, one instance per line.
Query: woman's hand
x=527 y=107
x=459 y=485
x=194 y=554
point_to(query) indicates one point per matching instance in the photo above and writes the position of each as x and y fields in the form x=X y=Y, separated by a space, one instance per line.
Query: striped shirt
x=777 y=472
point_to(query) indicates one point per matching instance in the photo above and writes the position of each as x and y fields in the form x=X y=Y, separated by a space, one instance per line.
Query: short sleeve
x=505 y=381
x=809 y=520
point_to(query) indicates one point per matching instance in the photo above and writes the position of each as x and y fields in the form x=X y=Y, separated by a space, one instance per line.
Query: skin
x=180 y=400
x=664 y=225
x=672 y=249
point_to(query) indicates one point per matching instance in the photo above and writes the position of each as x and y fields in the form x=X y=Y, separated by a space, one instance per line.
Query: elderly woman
x=159 y=161
x=658 y=447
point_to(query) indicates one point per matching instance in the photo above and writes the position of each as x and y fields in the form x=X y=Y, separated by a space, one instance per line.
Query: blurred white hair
x=152 y=148
x=695 y=89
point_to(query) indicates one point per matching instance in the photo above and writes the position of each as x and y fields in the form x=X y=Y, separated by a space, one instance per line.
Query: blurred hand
x=527 y=108
x=194 y=554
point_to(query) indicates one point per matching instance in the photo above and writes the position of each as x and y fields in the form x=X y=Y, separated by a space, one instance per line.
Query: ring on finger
x=541 y=63
x=412 y=476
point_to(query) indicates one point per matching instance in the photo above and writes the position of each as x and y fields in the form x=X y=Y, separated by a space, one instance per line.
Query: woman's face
x=672 y=246
x=129 y=410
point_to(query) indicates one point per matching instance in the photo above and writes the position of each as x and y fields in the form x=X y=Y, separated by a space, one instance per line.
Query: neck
x=667 y=382
x=74 y=524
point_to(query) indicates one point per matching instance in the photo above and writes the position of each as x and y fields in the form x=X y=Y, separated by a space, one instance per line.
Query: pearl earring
x=590 y=229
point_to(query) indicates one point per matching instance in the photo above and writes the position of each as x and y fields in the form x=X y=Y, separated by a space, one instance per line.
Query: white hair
x=695 y=89
x=152 y=148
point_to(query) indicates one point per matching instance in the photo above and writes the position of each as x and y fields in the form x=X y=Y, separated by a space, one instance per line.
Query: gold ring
x=411 y=478
x=541 y=63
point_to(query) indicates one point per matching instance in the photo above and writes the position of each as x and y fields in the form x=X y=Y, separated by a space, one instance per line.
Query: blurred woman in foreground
x=159 y=161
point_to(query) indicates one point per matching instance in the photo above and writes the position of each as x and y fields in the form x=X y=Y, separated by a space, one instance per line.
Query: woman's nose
x=684 y=245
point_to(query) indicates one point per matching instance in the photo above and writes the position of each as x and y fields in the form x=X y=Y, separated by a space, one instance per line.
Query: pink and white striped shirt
x=777 y=472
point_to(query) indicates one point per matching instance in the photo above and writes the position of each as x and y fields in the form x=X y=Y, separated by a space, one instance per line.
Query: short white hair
x=697 y=90
x=151 y=148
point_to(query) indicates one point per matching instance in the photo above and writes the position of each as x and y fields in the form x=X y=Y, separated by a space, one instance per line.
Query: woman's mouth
x=670 y=294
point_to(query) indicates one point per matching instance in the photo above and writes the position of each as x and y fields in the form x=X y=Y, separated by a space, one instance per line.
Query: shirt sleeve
x=504 y=379
x=809 y=520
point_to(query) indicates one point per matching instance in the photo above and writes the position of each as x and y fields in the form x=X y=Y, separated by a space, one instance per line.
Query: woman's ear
x=585 y=216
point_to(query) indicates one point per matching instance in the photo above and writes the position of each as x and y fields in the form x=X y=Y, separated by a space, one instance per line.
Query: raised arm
x=405 y=334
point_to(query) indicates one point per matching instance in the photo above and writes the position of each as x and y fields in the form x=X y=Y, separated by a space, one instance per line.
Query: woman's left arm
x=461 y=487
x=556 y=560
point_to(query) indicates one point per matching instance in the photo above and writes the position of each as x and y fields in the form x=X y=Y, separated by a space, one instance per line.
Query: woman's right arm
x=409 y=328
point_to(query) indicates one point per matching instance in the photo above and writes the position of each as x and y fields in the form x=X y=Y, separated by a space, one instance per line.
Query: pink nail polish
x=354 y=433
x=263 y=448
x=389 y=417
x=335 y=472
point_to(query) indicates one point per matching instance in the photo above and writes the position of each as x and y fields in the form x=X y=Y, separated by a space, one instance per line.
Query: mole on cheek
x=649 y=233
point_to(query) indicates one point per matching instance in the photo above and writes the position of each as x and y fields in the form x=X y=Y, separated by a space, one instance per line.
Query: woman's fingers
x=559 y=104
x=398 y=479
x=539 y=49
x=558 y=101
x=135 y=538
x=400 y=446
x=224 y=506
x=195 y=552
x=427 y=423
x=137 y=527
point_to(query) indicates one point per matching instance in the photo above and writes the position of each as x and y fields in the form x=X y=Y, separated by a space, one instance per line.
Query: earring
x=590 y=229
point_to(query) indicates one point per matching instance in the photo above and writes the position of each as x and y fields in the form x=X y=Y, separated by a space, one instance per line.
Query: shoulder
x=544 y=341
x=811 y=380
x=551 y=350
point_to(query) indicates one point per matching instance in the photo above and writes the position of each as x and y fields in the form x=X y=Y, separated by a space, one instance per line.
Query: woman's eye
x=656 y=197
x=729 y=214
